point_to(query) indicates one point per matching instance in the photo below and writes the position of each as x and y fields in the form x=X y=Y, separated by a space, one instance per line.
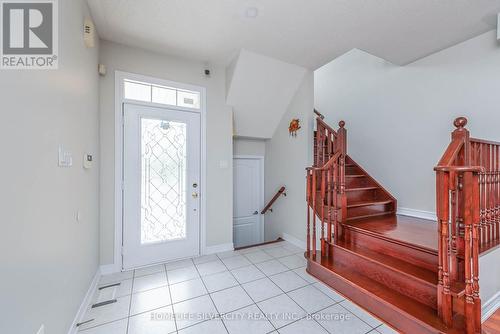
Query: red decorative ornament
x=294 y=127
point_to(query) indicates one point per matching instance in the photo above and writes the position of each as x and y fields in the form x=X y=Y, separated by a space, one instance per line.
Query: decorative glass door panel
x=161 y=185
x=163 y=189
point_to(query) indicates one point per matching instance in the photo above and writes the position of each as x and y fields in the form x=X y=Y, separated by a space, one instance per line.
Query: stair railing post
x=463 y=159
x=329 y=202
x=443 y=213
x=472 y=305
x=308 y=200
x=342 y=146
x=322 y=214
x=314 y=191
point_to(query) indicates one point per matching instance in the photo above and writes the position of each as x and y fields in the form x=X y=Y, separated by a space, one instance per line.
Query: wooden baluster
x=497 y=202
x=322 y=199
x=330 y=209
x=308 y=199
x=456 y=244
x=489 y=214
x=342 y=138
x=482 y=203
x=444 y=295
x=314 y=191
x=336 y=201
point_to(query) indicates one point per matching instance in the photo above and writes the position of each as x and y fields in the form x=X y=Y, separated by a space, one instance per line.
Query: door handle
x=256 y=212
x=195 y=195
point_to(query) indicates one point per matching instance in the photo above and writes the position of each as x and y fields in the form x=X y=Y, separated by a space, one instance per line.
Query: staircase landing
x=415 y=231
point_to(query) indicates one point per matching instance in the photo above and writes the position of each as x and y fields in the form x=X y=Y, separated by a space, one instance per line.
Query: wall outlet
x=41 y=330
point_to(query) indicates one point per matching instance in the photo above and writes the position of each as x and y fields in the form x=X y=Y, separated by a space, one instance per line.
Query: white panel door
x=247 y=202
x=161 y=185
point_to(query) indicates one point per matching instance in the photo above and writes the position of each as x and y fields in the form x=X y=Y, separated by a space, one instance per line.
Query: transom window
x=142 y=91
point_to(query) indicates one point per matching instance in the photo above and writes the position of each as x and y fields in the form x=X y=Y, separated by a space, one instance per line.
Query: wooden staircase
x=393 y=266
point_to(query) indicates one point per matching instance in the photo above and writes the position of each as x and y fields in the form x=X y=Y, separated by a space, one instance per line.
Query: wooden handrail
x=326 y=126
x=320 y=115
x=271 y=202
x=329 y=163
x=483 y=141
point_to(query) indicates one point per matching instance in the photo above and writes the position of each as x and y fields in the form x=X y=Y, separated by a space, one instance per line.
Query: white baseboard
x=417 y=213
x=218 y=248
x=490 y=307
x=86 y=301
x=294 y=241
x=107 y=269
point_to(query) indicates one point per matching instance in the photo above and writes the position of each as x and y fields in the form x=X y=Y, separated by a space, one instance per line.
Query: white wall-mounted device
x=88 y=160
x=88 y=33
x=101 y=69
x=65 y=157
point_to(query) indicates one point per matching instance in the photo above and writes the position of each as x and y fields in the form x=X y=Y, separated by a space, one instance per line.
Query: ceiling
x=306 y=33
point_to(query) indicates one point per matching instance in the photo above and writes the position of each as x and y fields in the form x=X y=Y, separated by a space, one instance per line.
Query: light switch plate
x=88 y=160
x=65 y=157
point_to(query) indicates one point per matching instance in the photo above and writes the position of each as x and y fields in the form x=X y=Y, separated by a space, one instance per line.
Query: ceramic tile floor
x=262 y=289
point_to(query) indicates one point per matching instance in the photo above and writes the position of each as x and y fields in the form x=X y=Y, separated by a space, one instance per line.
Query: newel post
x=458 y=227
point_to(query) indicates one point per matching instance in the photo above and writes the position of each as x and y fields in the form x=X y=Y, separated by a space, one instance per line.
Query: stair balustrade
x=468 y=212
x=325 y=182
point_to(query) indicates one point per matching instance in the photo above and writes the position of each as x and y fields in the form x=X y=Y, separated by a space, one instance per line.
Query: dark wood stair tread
x=355 y=175
x=371 y=215
x=420 y=232
x=367 y=203
x=412 y=308
x=362 y=188
x=407 y=268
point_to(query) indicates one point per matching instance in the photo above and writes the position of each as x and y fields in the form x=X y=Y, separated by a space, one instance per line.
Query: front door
x=247 y=199
x=161 y=185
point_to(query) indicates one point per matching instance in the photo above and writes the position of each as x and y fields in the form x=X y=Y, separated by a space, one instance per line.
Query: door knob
x=256 y=212
x=195 y=195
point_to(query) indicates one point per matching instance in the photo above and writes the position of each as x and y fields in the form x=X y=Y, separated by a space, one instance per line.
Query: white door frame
x=118 y=205
x=260 y=158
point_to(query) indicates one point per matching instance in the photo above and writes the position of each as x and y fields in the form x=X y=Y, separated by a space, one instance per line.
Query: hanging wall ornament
x=294 y=127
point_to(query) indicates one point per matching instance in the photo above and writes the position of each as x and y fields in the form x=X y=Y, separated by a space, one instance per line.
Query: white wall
x=489 y=277
x=259 y=89
x=219 y=136
x=248 y=146
x=286 y=160
x=399 y=119
x=48 y=259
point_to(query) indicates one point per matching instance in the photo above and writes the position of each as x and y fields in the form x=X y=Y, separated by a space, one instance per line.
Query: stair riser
x=420 y=257
x=353 y=170
x=365 y=195
x=412 y=287
x=376 y=305
x=369 y=210
x=357 y=182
